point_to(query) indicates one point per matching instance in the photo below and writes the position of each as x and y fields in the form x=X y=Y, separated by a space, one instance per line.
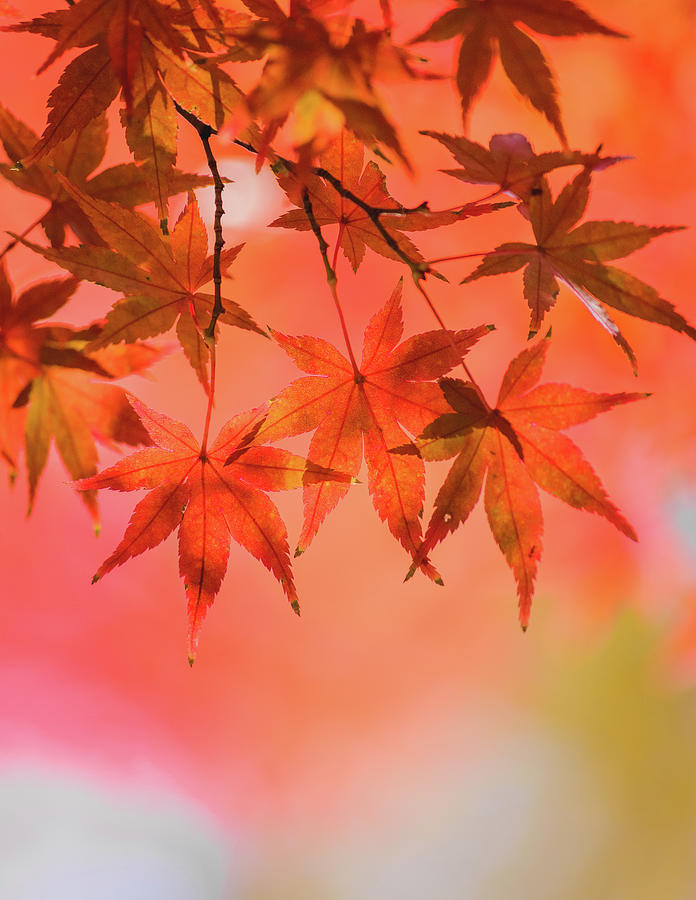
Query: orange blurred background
x=399 y=740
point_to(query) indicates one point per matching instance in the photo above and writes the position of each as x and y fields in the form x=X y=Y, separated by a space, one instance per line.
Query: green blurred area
x=590 y=794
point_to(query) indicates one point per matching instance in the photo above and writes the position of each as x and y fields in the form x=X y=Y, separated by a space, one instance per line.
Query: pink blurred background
x=402 y=741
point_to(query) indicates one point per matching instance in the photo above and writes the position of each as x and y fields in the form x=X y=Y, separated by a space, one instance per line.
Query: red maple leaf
x=209 y=494
x=517 y=443
x=346 y=404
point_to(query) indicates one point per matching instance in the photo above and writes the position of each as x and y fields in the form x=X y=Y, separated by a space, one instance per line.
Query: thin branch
x=418 y=269
x=205 y=132
x=323 y=246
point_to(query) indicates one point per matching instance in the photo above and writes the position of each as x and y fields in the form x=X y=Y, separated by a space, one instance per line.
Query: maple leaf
x=391 y=390
x=147 y=50
x=483 y=24
x=510 y=162
x=161 y=275
x=76 y=158
x=49 y=391
x=357 y=230
x=210 y=494
x=323 y=71
x=520 y=445
x=576 y=256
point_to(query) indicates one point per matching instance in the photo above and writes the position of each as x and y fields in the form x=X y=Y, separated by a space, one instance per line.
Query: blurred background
x=399 y=740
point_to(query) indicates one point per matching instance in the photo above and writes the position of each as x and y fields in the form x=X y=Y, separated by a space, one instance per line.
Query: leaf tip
x=164 y=228
x=97 y=528
x=490 y=327
x=191 y=660
x=299 y=551
x=439 y=581
x=524 y=626
x=95 y=578
x=295 y=606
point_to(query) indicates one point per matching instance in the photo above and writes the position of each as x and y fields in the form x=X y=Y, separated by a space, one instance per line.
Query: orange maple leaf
x=150 y=51
x=49 y=388
x=161 y=275
x=517 y=443
x=210 y=494
x=76 y=158
x=344 y=404
x=576 y=256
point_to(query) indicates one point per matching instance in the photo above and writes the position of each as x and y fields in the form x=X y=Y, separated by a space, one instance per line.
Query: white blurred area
x=69 y=837
x=251 y=201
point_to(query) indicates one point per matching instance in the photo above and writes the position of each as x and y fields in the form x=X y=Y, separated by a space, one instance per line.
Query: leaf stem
x=13 y=243
x=442 y=259
x=489 y=196
x=211 y=399
x=330 y=271
x=442 y=325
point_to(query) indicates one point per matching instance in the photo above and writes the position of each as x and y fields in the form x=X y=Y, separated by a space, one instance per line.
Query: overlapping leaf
x=516 y=447
x=343 y=159
x=192 y=489
x=147 y=50
x=322 y=70
x=392 y=390
x=76 y=158
x=160 y=275
x=487 y=25
x=510 y=162
x=52 y=389
x=576 y=257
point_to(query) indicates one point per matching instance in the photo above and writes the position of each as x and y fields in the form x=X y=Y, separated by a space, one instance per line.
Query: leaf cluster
x=315 y=74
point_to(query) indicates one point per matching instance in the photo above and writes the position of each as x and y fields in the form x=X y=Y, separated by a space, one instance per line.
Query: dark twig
x=323 y=246
x=418 y=269
x=205 y=131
